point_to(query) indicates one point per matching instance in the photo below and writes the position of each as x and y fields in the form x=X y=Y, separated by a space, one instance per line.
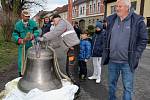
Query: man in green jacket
x=25 y=31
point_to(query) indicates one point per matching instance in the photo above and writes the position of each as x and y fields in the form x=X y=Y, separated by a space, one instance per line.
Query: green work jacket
x=20 y=31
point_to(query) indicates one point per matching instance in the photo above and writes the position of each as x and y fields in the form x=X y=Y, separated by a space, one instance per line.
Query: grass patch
x=8 y=53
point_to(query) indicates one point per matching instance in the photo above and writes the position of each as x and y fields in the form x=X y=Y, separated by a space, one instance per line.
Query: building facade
x=87 y=12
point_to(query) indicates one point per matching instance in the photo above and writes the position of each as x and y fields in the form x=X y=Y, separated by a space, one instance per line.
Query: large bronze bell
x=40 y=72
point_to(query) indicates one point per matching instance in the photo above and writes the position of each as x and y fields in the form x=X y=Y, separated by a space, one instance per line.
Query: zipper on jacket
x=94 y=44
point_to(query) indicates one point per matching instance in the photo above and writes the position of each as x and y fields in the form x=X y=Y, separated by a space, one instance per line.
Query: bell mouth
x=25 y=86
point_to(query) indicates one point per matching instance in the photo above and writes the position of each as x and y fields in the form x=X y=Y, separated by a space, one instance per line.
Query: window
x=93 y=20
x=94 y=8
x=148 y=22
x=83 y=10
x=90 y=8
x=112 y=9
x=80 y=10
x=133 y=5
x=73 y=12
x=98 y=7
x=89 y=21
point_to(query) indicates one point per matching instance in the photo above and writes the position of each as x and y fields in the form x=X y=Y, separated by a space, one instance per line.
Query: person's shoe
x=92 y=77
x=20 y=75
x=83 y=77
x=98 y=80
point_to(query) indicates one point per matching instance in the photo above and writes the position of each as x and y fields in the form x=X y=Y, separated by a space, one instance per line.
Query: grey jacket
x=62 y=35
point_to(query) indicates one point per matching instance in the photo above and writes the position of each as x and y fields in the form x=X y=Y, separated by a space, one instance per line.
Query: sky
x=50 y=5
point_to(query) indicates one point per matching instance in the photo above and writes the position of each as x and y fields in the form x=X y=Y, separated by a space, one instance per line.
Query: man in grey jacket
x=62 y=37
x=63 y=32
x=126 y=39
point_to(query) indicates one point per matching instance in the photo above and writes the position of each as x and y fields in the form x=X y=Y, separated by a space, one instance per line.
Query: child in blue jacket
x=84 y=54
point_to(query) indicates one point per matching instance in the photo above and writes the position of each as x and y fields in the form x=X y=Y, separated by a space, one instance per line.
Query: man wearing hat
x=25 y=31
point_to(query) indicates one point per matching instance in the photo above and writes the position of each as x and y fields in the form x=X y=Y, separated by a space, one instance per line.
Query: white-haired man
x=126 y=39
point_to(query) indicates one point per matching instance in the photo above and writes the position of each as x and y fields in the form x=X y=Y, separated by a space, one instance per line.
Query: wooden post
x=70 y=11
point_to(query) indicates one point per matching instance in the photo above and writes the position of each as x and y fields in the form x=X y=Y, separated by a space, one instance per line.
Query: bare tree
x=11 y=12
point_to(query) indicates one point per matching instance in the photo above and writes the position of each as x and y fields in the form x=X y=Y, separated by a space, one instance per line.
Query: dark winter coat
x=137 y=42
x=97 y=43
x=78 y=31
x=85 y=49
x=46 y=28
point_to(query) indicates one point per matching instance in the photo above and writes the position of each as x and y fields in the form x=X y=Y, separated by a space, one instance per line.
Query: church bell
x=40 y=72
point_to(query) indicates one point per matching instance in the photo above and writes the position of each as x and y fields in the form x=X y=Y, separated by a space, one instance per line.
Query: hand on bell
x=24 y=41
x=40 y=39
x=21 y=41
x=86 y=60
x=29 y=36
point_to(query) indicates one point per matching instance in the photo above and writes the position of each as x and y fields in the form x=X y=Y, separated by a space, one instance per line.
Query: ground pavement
x=92 y=91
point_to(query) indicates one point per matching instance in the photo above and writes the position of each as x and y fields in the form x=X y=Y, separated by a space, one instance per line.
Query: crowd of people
x=119 y=43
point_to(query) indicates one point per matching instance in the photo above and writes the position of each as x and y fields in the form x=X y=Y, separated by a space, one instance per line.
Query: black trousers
x=83 y=68
x=72 y=67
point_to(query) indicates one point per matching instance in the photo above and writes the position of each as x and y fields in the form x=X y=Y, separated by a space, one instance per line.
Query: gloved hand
x=21 y=41
x=40 y=39
x=29 y=36
x=33 y=41
x=86 y=60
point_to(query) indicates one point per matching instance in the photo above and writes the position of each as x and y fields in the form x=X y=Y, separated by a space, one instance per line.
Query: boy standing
x=84 y=54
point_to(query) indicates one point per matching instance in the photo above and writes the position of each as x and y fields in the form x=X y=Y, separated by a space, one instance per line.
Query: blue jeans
x=114 y=71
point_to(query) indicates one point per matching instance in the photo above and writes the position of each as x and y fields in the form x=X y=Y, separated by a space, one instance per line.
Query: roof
x=42 y=13
x=77 y=2
x=62 y=9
